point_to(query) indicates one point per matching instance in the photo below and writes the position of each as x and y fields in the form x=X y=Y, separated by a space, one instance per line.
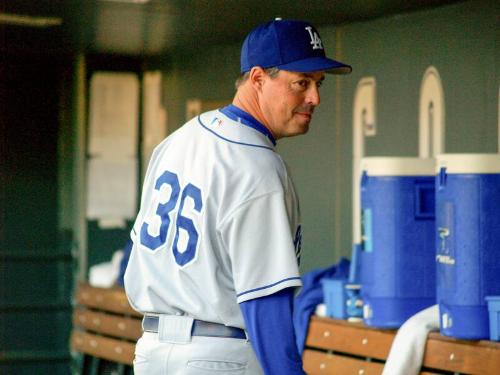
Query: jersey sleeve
x=259 y=237
x=269 y=324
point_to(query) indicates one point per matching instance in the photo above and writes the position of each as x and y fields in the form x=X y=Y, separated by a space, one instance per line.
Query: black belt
x=200 y=328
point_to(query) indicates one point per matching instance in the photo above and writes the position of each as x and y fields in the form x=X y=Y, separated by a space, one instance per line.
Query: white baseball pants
x=174 y=351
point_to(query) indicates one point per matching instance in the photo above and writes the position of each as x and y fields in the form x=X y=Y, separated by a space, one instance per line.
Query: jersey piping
x=268 y=286
x=229 y=140
x=252 y=133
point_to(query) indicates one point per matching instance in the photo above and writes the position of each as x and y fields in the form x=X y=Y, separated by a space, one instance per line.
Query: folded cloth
x=407 y=349
x=104 y=275
x=311 y=295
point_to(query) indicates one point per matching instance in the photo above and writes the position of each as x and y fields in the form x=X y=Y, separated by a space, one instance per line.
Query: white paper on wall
x=113 y=114
x=112 y=189
x=113 y=131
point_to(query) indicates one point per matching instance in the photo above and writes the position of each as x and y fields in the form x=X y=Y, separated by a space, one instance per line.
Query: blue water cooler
x=467 y=241
x=398 y=266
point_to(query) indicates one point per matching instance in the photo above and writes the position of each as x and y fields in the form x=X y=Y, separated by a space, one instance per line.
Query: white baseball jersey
x=218 y=222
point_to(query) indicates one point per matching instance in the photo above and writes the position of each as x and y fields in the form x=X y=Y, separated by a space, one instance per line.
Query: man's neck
x=246 y=100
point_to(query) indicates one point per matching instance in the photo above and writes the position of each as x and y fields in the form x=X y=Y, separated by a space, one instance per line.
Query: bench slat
x=321 y=363
x=113 y=325
x=352 y=338
x=471 y=357
x=107 y=299
x=103 y=347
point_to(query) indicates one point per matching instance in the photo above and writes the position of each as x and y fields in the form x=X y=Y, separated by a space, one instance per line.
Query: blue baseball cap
x=288 y=45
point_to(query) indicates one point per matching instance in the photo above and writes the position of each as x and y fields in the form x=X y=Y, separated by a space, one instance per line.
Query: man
x=214 y=261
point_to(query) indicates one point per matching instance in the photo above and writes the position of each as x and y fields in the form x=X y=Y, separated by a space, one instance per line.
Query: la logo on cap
x=315 y=39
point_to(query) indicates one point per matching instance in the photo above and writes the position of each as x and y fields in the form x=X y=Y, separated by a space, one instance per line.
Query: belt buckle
x=150 y=323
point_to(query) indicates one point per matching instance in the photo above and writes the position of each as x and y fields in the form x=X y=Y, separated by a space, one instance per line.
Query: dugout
x=425 y=80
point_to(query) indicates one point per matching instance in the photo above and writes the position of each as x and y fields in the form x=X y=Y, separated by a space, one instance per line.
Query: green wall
x=460 y=40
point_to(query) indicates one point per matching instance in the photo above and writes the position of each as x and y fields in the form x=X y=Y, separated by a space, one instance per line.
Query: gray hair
x=271 y=72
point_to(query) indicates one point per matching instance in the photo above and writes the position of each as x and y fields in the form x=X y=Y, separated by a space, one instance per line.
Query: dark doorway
x=35 y=258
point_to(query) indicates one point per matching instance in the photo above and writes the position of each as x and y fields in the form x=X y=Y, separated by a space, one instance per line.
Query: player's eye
x=303 y=83
x=319 y=84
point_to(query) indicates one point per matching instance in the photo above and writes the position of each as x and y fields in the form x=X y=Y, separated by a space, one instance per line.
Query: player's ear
x=257 y=77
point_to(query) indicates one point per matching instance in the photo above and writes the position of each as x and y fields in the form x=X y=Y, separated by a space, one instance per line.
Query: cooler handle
x=425 y=201
x=442 y=178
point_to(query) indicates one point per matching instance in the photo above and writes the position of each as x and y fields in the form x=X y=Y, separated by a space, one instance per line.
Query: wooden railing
x=339 y=347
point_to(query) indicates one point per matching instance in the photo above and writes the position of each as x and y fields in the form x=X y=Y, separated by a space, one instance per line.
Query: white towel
x=407 y=350
x=104 y=275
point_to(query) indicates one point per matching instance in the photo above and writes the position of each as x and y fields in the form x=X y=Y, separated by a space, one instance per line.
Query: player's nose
x=313 y=96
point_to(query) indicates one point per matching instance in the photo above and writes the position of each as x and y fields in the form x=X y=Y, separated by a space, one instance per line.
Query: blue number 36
x=163 y=210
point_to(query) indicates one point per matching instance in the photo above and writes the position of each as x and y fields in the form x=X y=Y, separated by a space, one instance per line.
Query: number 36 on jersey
x=180 y=203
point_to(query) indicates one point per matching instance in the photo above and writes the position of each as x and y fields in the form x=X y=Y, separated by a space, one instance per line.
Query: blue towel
x=311 y=295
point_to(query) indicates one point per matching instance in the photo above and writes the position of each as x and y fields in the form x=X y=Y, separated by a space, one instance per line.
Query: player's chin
x=298 y=129
x=304 y=129
x=302 y=125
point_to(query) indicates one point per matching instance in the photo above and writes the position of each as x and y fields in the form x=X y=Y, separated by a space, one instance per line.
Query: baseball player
x=214 y=263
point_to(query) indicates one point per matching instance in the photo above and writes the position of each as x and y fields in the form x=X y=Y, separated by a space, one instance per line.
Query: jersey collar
x=244 y=118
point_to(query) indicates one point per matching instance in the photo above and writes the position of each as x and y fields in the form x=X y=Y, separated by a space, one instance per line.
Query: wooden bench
x=339 y=347
x=105 y=330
